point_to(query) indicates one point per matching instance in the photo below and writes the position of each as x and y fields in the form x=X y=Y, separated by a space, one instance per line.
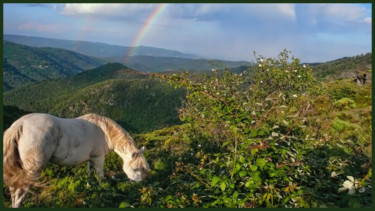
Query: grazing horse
x=36 y=139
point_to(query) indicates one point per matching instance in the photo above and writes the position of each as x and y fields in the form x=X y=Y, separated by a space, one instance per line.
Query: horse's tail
x=14 y=174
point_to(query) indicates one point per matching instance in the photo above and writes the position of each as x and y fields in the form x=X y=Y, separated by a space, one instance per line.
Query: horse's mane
x=116 y=136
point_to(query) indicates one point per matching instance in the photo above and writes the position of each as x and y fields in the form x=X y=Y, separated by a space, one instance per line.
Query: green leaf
x=261 y=162
x=124 y=204
x=354 y=203
x=249 y=183
x=215 y=180
x=242 y=173
x=223 y=186
x=253 y=167
x=226 y=143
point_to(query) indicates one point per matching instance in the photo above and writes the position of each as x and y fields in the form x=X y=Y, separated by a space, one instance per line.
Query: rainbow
x=150 y=20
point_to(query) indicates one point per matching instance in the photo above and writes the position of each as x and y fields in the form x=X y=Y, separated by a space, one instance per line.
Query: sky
x=313 y=32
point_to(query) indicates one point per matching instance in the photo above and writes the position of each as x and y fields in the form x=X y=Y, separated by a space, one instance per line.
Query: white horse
x=36 y=139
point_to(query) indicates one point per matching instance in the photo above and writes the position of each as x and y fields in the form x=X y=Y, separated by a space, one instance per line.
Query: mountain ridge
x=24 y=64
x=95 y=49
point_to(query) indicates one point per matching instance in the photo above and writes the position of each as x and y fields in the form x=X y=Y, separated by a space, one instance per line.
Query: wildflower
x=261 y=81
x=260 y=65
x=333 y=174
x=295 y=71
x=299 y=76
x=295 y=95
x=213 y=70
x=304 y=66
x=287 y=71
x=199 y=145
x=351 y=184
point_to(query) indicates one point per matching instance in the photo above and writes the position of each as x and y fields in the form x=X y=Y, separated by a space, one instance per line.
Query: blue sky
x=313 y=32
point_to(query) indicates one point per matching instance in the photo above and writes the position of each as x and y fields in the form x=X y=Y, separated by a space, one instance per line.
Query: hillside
x=129 y=97
x=95 y=49
x=347 y=67
x=24 y=65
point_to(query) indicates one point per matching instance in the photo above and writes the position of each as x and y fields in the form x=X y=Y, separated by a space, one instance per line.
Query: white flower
x=261 y=81
x=260 y=65
x=295 y=95
x=261 y=60
x=199 y=145
x=286 y=71
x=304 y=66
x=299 y=76
x=213 y=70
x=350 y=185
x=295 y=71
x=333 y=174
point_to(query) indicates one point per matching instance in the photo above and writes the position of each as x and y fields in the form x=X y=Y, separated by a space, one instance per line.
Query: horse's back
x=63 y=141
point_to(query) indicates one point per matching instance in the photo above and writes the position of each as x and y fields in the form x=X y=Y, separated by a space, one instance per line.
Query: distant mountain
x=23 y=65
x=129 y=97
x=347 y=67
x=95 y=49
x=165 y=64
x=144 y=58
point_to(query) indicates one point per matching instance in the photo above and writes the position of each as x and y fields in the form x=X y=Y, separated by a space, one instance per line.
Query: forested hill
x=129 y=97
x=24 y=65
x=347 y=67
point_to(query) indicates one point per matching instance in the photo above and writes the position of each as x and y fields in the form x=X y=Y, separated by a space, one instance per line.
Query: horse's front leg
x=18 y=196
x=98 y=163
x=89 y=168
x=13 y=195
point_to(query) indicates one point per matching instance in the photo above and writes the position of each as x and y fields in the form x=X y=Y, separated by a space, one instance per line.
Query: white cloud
x=367 y=20
x=339 y=13
x=287 y=9
x=117 y=10
x=40 y=27
x=345 y=12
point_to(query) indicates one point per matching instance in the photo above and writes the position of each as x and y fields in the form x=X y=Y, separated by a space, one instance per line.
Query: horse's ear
x=142 y=149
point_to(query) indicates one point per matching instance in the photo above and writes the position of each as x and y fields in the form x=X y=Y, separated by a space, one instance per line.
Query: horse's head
x=136 y=166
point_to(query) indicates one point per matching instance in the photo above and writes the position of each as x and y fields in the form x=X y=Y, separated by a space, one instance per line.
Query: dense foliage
x=272 y=136
x=24 y=65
